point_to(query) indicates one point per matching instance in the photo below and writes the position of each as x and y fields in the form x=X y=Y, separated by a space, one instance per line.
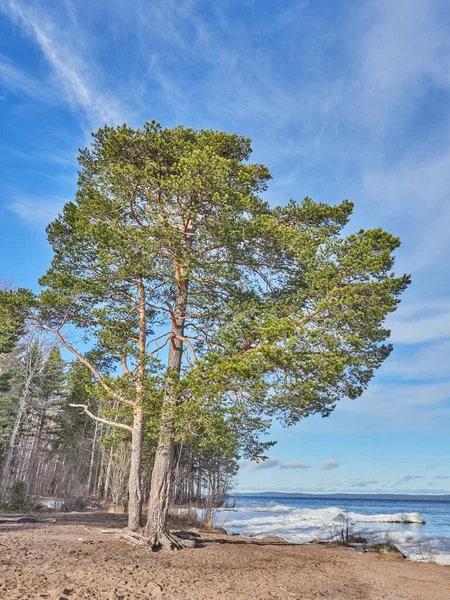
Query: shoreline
x=74 y=559
x=297 y=524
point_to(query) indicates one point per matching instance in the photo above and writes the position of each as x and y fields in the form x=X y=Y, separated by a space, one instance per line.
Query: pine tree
x=172 y=266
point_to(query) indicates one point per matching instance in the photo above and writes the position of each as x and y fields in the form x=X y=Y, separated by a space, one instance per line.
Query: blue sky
x=342 y=99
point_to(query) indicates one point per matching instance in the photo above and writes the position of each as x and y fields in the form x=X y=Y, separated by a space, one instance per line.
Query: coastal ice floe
x=302 y=525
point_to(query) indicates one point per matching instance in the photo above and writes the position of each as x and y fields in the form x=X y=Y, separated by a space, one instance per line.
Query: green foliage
x=35 y=377
x=69 y=426
x=5 y=381
x=7 y=410
x=14 y=307
x=285 y=314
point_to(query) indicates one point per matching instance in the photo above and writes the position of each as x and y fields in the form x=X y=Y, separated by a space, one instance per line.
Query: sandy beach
x=74 y=560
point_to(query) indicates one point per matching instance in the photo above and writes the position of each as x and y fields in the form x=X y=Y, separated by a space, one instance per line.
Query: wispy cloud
x=262 y=465
x=408 y=478
x=60 y=44
x=295 y=464
x=36 y=211
x=426 y=362
x=388 y=407
x=272 y=462
x=17 y=81
x=421 y=322
x=330 y=464
x=362 y=483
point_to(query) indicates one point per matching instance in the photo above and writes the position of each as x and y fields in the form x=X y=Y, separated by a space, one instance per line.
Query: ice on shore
x=52 y=503
x=395 y=518
x=302 y=525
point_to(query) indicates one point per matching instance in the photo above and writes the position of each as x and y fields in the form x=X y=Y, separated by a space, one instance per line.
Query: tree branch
x=99 y=419
x=190 y=346
x=86 y=363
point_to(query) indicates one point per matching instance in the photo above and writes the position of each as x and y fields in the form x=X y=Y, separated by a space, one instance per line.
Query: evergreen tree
x=174 y=267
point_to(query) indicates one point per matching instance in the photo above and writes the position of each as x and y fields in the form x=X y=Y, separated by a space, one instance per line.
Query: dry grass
x=190 y=519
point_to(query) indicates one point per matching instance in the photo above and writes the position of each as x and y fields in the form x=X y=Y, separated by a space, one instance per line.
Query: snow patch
x=52 y=503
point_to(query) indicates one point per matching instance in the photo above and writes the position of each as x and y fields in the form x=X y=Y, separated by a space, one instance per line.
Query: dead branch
x=86 y=363
x=99 y=419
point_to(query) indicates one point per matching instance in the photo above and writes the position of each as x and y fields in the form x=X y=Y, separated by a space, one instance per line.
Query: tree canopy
x=176 y=271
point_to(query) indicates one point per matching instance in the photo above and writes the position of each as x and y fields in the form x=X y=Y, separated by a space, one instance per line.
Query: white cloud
x=414 y=192
x=61 y=43
x=405 y=47
x=408 y=478
x=330 y=464
x=361 y=483
x=19 y=82
x=420 y=322
x=295 y=464
x=386 y=408
x=36 y=211
x=261 y=465
x=425 y=363
x=389 y=399
x=272 y=462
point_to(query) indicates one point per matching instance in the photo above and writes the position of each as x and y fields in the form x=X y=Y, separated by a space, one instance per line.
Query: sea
x=436 y=513
x=419 y=527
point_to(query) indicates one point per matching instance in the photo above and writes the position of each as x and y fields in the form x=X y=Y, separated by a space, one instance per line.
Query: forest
x=49 y=449
x=180 y=316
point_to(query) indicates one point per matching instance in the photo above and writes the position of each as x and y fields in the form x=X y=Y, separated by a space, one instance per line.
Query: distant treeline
x=428 y=497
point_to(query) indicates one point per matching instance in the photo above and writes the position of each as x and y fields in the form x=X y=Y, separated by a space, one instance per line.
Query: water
x=301 y=520
x=435 y=513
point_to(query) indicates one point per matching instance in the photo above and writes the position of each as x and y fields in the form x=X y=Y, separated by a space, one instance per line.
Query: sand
x=74 y=560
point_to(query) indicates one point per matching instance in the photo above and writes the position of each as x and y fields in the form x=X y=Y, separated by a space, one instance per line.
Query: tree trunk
x=160 y=489
x=134 y=481
x=199 y=483
x=34 y=464
x=108 y=475
x=100 y=467
x=92 y=459
x=109 y=464
x=191 y=492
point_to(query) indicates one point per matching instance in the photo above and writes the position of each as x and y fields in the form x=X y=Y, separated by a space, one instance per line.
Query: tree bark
x=100 y=462
x=134 y=481
x=161 y=483
x=92 y=459
x=108 y=475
